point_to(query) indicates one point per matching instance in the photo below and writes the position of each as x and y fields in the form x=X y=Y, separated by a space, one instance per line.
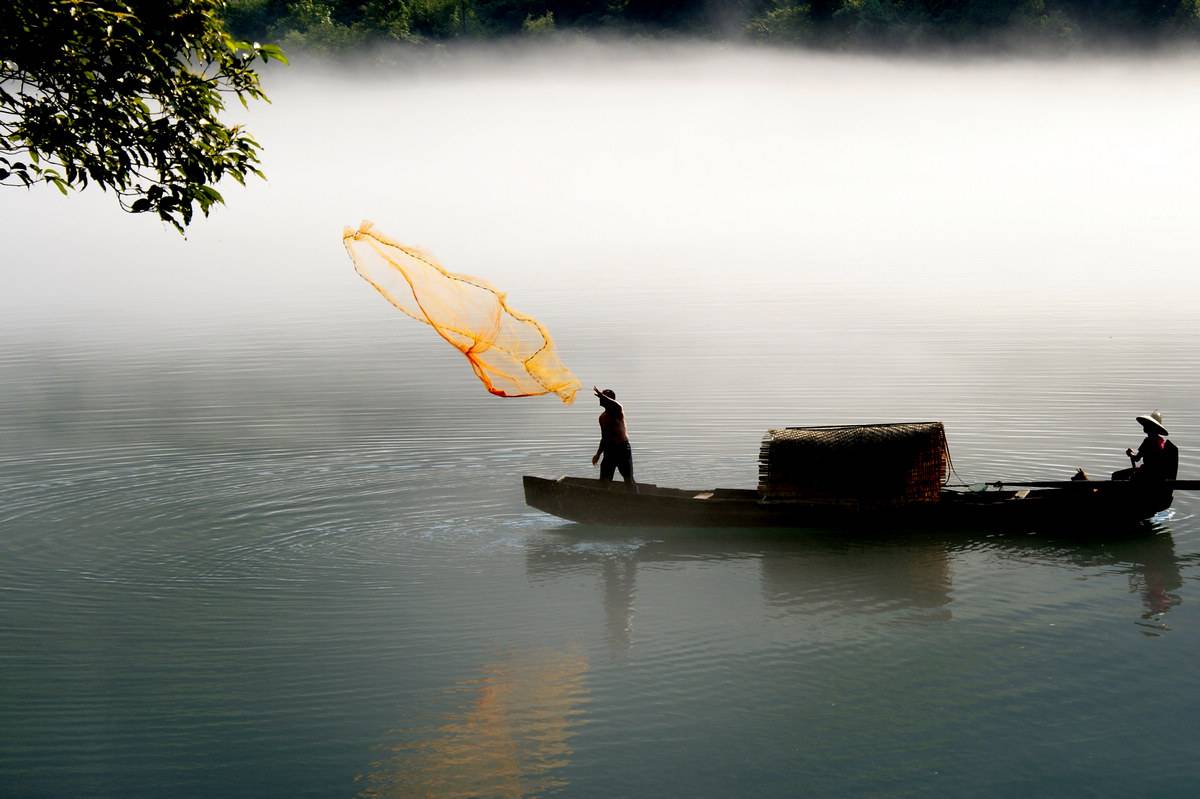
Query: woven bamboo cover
x=880 y=464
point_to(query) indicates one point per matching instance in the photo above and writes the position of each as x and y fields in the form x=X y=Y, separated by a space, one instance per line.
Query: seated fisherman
x=1159 y=457
x=614 y=440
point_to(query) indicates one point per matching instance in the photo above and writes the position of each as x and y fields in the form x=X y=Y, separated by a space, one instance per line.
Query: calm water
x=262 y=536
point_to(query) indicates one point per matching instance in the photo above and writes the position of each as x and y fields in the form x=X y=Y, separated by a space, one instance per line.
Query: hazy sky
x=604 y=169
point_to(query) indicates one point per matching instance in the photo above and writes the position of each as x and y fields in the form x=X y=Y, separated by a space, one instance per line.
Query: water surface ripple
x=279 y=548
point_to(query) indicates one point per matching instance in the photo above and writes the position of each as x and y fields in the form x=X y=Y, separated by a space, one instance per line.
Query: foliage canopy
x=333 y=25
x=126 y=94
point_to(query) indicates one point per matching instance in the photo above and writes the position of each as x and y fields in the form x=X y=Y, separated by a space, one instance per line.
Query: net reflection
x=512 y=739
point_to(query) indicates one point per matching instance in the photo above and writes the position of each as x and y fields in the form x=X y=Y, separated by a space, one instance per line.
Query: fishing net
x=887 y=464
x=512 y=354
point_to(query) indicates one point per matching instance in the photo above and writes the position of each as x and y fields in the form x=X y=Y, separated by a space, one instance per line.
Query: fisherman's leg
x=607 y=467
x=626 y=467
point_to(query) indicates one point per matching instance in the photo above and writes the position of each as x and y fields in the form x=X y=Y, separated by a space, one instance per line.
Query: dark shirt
x=1151 y=445
x=1158 y=457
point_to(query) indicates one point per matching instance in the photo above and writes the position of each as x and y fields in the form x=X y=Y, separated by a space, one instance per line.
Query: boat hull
x=1091 y=504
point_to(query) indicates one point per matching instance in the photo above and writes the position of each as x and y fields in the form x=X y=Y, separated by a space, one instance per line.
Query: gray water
x=260 y=535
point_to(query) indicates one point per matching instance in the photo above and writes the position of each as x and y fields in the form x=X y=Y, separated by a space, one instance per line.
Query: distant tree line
x=840 y=24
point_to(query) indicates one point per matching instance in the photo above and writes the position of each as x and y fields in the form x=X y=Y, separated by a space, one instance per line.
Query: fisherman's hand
x=1129 y=453
x=596 y=391
x=595 y=459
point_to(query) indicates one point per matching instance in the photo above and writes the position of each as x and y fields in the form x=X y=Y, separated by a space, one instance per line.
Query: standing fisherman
x=614 y=440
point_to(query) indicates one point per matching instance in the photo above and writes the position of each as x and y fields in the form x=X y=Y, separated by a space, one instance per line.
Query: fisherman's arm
x=1147 y=445
x=599 y=452
x=610 y=404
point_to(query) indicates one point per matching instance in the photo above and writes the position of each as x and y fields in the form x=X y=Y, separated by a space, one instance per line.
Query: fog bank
x=964 y=186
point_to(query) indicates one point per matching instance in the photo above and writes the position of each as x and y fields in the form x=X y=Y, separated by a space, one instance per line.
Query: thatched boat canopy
x=877 y=464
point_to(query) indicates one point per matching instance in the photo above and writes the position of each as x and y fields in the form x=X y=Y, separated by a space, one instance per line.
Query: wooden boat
x=1042 y=505
x=876 y=475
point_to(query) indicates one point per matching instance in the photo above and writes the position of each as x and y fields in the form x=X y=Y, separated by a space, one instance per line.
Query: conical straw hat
x=1153 y=420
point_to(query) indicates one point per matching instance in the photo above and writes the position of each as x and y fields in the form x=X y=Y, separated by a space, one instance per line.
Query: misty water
x=261 y=535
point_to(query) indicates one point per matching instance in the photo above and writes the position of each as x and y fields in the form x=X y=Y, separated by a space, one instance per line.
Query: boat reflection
x=511 y=739
x=1149 y=563
x=1158 y=577
x=908 y=580
x=901 y=579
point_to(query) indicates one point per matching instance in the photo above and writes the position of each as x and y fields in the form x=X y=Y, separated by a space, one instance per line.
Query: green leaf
x=119 y=97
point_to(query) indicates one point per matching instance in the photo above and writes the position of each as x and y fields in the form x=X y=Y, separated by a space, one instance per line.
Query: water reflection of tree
x=512 y=738
x=908 y=576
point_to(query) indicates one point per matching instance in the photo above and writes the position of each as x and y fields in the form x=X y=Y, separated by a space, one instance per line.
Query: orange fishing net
x=511 y=353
